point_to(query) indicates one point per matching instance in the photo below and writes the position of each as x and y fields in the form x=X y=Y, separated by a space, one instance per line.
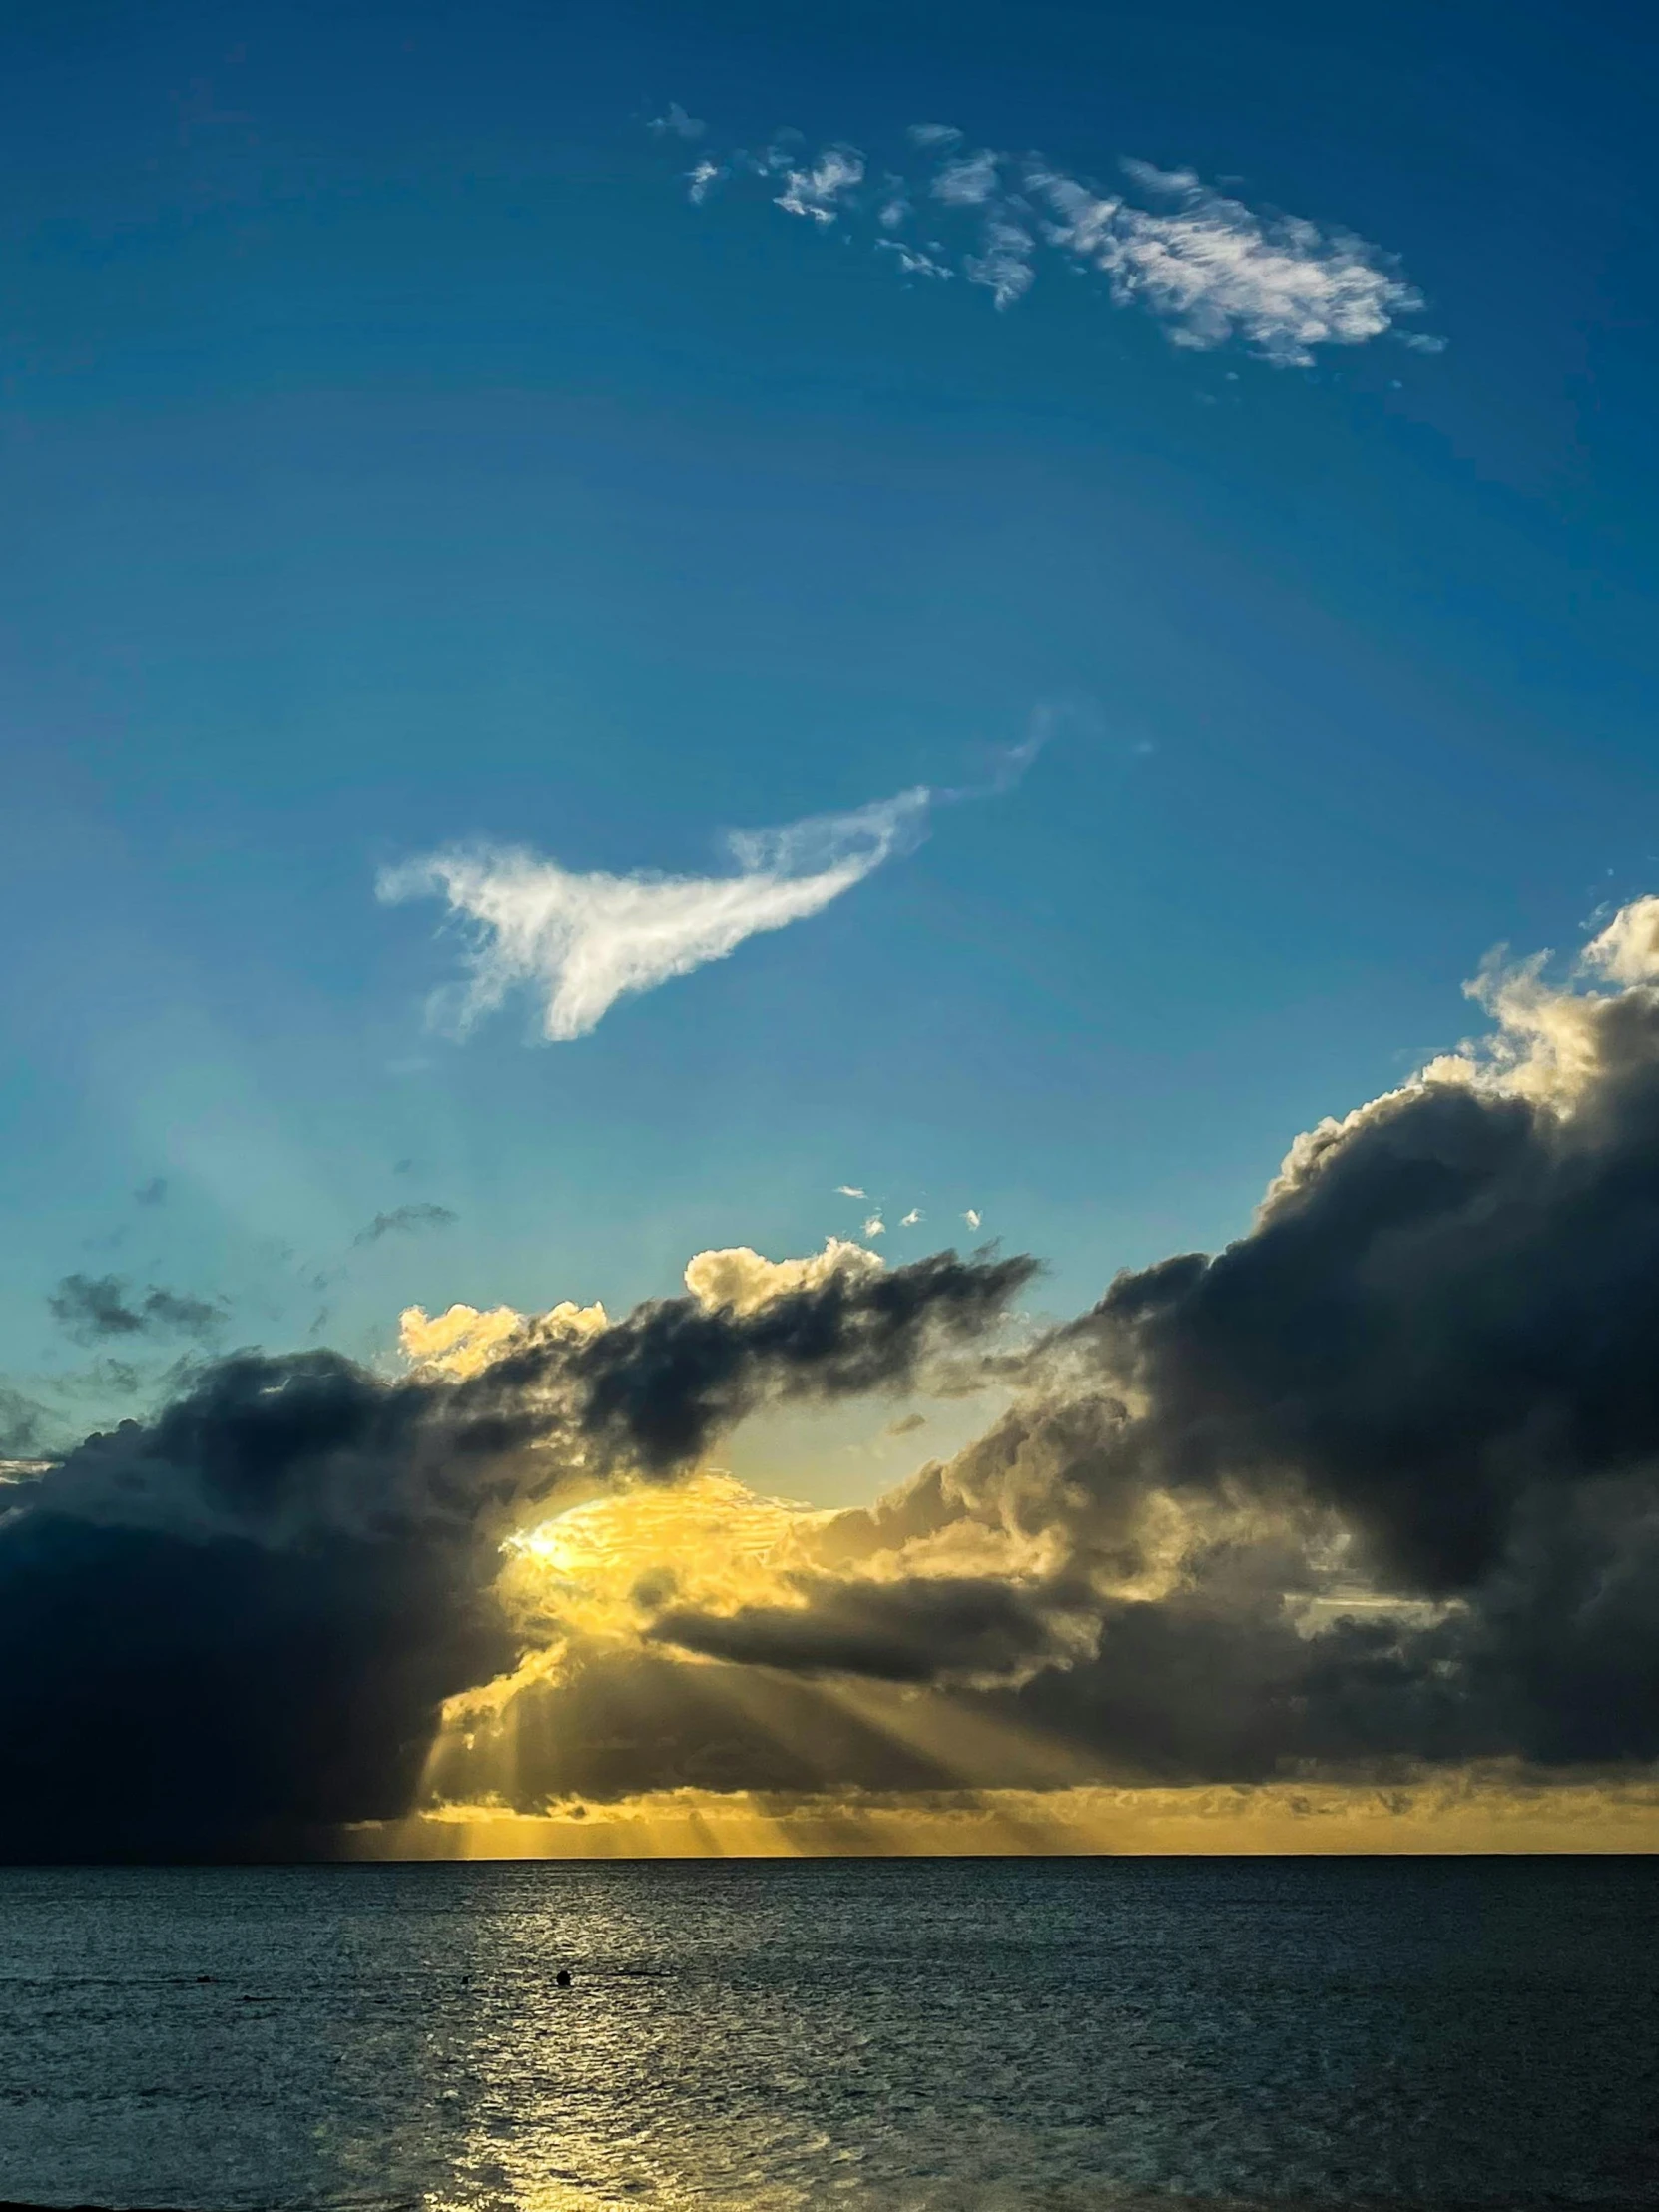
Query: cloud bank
x=581 y=942
x=1371 y=1496
x=1205 y=265
x=233 y=1627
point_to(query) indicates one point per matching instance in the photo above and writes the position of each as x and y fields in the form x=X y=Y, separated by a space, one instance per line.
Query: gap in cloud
x=1205 y=265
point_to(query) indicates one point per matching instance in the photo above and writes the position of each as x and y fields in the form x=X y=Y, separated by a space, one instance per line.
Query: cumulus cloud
x=98 y=1306
x=1205 y=264
x=581 y=942
x=404 y=1220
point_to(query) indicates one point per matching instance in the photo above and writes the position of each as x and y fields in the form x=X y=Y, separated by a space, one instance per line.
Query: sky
x=644 y=632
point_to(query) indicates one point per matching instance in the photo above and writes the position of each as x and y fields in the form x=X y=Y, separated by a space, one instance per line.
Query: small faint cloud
x=818 y=190
x=850 y=1190
x=972 y=1217
x=905 y=1426
x=153 y=1193
x=406 y=1221
x=916 y=260
x=92 y=1306
x=874 y=1227
x=402 y=1167
x=700 y=181
x=912 y=1217
x=968 y=181
x=933 y=133
x=676 y=123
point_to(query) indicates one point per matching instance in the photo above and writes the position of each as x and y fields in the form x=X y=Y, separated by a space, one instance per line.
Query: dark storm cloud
x=24 y=1426
x=674 y=1374
x=406 y=1221
x=98 y=1306
x=232 y=1623
x=932 y=1629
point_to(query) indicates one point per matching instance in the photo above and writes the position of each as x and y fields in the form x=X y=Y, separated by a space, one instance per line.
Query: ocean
x=867 y=2034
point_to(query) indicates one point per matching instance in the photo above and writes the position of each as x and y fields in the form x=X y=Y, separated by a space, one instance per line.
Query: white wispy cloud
x=909 y=1220
x=817 y=191
x=581 y=942
x=1206 y=266
x=850 y=1190
x=874 y=1227
x=972 y=1217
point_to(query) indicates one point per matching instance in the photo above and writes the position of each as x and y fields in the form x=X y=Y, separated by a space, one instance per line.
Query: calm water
x=1057 y=2034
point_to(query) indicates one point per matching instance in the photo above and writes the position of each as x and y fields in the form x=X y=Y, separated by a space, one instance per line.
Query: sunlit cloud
x=579 y=943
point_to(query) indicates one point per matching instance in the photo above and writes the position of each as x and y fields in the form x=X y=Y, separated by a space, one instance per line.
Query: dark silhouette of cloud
x=926 y=1629
x=153 y=1193
x=406 y=1221
x=91 y=1306
x=24 y=1426
x=230 y=1625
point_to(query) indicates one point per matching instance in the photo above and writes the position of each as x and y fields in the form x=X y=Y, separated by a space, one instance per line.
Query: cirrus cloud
x=581 y=942
x=1205 y=264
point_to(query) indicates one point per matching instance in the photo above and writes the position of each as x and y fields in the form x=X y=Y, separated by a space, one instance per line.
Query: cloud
x=24 y=1427
x=92 y=1307
x=931 y=1630
x=153 y=1193
x=581 y=942
x=1206 y=266
x=406 y=1221
x=1371 y=1495
x=874 y=1226
x=909 y=1220
x=972 y=1217
x=741 y=1282
x=677 y=123
x=850 y=1190
x=293 y=1563
x=818 y=192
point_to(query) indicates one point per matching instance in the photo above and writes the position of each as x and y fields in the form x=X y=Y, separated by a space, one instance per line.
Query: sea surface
x=874 y=2035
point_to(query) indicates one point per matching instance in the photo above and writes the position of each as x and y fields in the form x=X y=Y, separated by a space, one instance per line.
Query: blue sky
x=393 y=455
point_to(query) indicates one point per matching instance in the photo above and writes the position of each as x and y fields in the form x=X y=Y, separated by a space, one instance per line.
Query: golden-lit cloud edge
x=1472 y=1811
